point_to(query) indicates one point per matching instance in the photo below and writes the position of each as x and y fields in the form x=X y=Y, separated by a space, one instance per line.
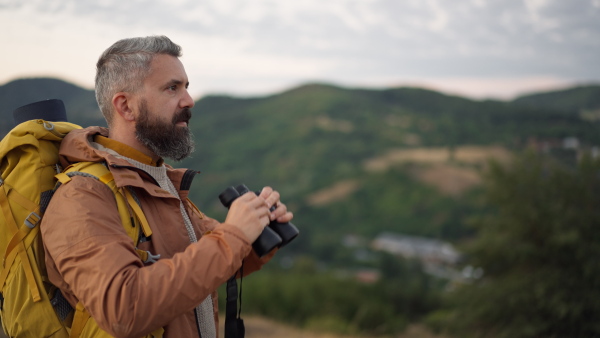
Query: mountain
x=576 y=99
x=353 y=161
x=363 y=161
x=80 y=103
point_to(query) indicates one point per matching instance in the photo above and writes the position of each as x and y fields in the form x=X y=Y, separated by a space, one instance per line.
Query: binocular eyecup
x=273 y=236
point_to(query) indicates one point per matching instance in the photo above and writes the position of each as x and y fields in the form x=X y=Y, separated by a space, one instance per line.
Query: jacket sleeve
x=89 y=255
x=252 y=262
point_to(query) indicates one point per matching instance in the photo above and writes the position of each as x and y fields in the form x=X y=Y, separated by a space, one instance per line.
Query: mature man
x=141 y=88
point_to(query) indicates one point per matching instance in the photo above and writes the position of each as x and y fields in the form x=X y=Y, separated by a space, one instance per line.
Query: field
x=259 y=327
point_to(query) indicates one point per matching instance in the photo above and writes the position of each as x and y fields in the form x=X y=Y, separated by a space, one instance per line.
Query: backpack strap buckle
x=32 y=220
x=48 y=125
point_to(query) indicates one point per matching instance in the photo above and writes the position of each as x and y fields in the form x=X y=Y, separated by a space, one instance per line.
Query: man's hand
x=280 y=214
x=251 y=213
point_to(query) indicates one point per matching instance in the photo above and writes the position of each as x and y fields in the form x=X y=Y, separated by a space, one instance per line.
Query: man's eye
x=174 y=87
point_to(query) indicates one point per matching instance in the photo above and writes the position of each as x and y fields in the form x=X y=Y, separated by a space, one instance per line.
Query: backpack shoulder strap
x=128 y=208
x=126 y=203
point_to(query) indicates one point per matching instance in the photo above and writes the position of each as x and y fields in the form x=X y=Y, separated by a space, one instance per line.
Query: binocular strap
x=234 y=324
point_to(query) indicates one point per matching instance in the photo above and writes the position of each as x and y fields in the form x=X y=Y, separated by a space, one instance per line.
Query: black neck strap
x=234 y=325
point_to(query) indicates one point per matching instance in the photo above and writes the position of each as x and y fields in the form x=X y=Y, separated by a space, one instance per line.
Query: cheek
x=169 y=107
x=165 y=110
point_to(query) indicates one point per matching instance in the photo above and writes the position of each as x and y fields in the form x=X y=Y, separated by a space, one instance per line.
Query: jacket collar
x=126 y=150
x=78 y=146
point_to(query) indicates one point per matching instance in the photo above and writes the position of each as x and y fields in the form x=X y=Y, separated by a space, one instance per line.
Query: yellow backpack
x=30 y=306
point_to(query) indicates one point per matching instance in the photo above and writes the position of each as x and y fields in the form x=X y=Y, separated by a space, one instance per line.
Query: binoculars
x=273 y=236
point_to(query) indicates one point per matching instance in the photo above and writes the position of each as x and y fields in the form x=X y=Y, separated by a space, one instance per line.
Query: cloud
x=440 y=16
x=230 y=43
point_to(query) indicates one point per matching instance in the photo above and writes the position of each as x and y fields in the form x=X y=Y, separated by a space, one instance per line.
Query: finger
x=263 y=214
x=273 y=199
x=264 y=221
x=279 y=210
x=265 y=192
x=246 y=197
x=252 y=200
x=286 y=218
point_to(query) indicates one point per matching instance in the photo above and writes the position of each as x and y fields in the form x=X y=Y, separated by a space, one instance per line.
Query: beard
x=165 y=139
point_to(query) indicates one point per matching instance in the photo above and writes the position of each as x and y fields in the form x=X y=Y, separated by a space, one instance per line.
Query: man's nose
x=187 y=100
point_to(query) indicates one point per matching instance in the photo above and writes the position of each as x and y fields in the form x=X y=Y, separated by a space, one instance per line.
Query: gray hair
x=123 y=67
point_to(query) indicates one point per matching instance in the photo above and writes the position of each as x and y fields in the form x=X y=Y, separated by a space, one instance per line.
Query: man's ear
x=123 y=105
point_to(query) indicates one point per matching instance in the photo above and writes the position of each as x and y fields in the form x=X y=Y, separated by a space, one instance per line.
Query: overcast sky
x=476 y=48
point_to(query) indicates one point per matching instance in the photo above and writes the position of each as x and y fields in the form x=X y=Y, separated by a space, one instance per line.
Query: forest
x=468 y=217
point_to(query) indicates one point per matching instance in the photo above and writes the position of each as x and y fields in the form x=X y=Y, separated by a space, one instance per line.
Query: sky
x=474 y=48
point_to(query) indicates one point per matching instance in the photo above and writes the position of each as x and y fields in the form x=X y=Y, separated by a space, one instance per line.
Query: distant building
x=571 y=143
x=426 y=250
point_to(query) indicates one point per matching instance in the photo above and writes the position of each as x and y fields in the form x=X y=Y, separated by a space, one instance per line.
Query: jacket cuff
x=235 y=237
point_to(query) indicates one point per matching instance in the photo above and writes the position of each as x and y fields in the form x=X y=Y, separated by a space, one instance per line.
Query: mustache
x=184 y=115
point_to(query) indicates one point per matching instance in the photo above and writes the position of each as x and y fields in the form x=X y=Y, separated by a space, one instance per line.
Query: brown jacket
x=92 y=260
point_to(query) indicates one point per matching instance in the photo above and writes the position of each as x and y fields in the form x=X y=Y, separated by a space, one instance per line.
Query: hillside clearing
x=464 y=154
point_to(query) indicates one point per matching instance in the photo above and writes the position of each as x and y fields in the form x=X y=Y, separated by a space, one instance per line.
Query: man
x=141 y=88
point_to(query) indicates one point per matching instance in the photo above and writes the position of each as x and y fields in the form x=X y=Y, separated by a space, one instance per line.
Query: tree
x=539 y=250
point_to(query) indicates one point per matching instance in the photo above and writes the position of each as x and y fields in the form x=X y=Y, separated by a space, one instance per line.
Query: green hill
x=355 y=161
x=570 y=100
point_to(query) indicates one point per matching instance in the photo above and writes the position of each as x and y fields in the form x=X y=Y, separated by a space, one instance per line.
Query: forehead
x=165 y=68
